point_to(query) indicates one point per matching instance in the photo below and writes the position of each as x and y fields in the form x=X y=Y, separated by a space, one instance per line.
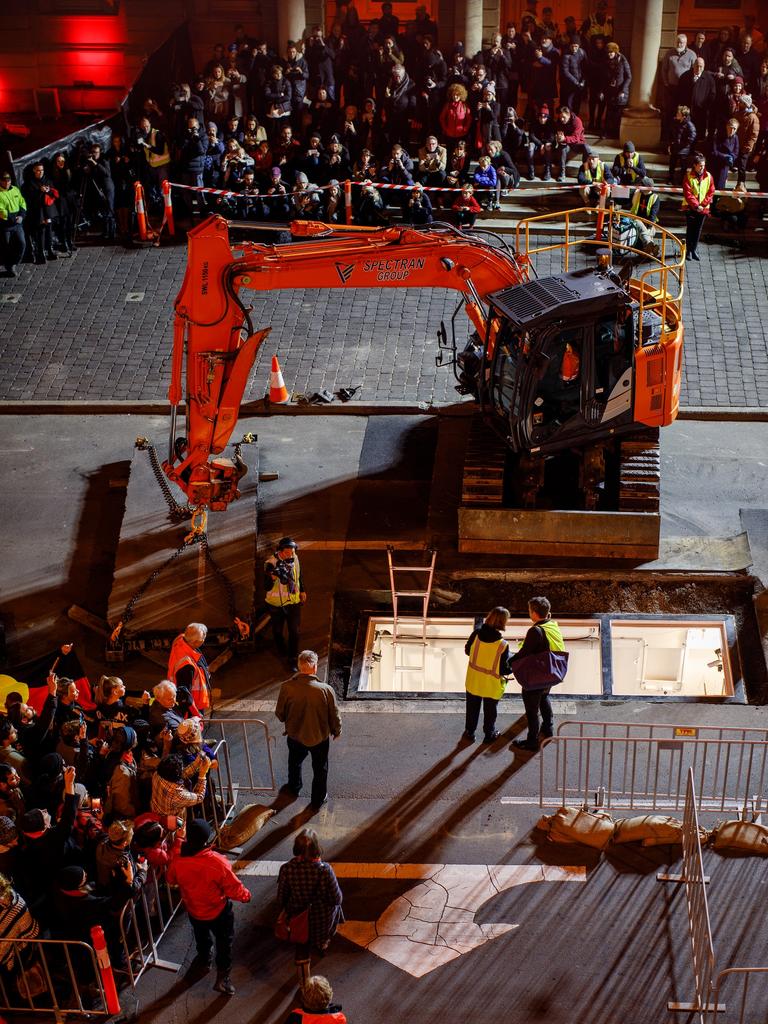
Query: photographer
x=192 y=160
x=296 y=71
x=285 y=596
x=155 y=158
x=234 y=163
x=41 y=199
x=320 y=62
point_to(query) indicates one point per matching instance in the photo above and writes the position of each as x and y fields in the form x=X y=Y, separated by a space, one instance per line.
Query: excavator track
x=484 y=461
x=640 y=472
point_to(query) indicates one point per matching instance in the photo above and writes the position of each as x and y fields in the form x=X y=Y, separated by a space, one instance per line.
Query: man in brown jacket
x=307 y=708
x=749 y=132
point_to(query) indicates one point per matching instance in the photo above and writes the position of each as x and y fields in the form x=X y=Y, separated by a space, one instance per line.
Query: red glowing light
x=91 y=31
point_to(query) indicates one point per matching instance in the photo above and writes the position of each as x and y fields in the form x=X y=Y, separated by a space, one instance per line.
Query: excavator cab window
x=613 y=353
x=511 y=351
x=557 y=396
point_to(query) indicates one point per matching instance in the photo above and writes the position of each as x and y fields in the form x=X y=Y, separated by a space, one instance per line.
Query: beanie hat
x=212 y=125
x=70 y=877
x=629 y=147
x=119 y=831
x=276 y=172
x=32 y=821
x=544 y=109
x=8 y=831
x=129 y=738
x=199 y=835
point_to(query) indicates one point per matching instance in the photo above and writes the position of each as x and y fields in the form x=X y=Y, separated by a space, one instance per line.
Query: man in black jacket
x=696 y=90
x=191 y=163
x=573 y=75
x=101 y=197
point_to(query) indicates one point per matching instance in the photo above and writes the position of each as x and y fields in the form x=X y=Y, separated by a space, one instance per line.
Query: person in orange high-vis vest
x=187 y=665
x=316 y=995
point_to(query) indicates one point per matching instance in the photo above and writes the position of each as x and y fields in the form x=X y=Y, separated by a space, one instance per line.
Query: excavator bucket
x=232 y=392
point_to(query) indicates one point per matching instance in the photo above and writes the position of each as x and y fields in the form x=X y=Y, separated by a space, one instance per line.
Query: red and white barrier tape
x=555 y=185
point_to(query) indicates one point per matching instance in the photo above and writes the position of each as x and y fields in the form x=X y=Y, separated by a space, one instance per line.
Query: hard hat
x=10 y=685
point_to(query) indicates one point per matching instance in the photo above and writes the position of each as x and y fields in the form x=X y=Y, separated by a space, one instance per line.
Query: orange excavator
x=567 y=362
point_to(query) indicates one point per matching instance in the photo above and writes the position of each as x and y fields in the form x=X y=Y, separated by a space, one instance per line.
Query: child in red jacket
x=466 y=208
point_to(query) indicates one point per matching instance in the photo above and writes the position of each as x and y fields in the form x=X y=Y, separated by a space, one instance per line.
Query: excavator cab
x=558 y=363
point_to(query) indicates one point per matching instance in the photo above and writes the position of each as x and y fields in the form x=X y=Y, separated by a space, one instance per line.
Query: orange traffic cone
x=278 y=392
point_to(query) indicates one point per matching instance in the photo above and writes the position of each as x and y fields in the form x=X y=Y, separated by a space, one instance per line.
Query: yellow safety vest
x=282 y=594
x=483 y=678
x=157 y=159
x=699 y=186
x=599 y=172
x=631 y=161
x=650 y=200
x=553 y=634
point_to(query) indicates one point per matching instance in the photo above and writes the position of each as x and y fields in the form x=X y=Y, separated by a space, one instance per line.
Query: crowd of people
x=101 y=796
x=386 y=104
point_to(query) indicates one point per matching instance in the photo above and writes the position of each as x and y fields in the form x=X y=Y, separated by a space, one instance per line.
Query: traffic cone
x=278 y=392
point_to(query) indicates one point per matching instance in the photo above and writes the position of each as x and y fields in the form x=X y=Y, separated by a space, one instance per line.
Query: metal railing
x=647 y=771
x=250 y=739
x=748 y=975
x=57 y=979
x=143 y=924
x=668 y=264
x=699 y=924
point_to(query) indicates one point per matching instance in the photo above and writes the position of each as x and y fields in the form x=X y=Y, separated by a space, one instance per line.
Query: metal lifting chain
x=177 y=511
x=195 y=536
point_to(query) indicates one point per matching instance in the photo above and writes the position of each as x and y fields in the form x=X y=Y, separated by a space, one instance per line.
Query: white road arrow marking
x=433 y=923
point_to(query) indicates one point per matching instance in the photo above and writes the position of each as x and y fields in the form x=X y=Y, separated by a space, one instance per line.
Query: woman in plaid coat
x=308 y=881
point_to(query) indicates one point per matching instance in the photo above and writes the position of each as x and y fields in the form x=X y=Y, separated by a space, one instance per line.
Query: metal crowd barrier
x=144 y=923
x=57 y=979
x=250 y=740
x=748 y=975
x=699 y=924
x=644 y=768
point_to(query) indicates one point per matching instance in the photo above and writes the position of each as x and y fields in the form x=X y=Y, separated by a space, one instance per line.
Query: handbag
x=538 y=671
x=293 y=929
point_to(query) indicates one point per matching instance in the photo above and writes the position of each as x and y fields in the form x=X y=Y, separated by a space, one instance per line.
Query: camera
x=283 y=570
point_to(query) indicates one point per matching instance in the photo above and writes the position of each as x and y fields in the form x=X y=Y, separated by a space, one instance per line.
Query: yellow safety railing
x=668 y=264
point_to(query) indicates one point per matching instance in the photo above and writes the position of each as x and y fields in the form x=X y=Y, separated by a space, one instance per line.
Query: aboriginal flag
x=65 y=665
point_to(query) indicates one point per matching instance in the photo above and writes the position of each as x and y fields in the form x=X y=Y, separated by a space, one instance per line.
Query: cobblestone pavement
x=98 y=327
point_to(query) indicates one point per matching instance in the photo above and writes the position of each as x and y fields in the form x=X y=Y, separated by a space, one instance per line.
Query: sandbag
x=244 y=825
x=573 y=825
x=649 y=829
x=741 y=835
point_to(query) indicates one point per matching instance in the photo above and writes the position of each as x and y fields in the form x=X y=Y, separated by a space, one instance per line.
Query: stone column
x=469 y=25
x=640 y=123
x=291 y=22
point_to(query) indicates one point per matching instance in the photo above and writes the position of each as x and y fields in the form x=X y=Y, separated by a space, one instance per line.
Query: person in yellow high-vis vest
x=698 y=190
x=544 y=633
x=285 y=596
x=488 y=666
